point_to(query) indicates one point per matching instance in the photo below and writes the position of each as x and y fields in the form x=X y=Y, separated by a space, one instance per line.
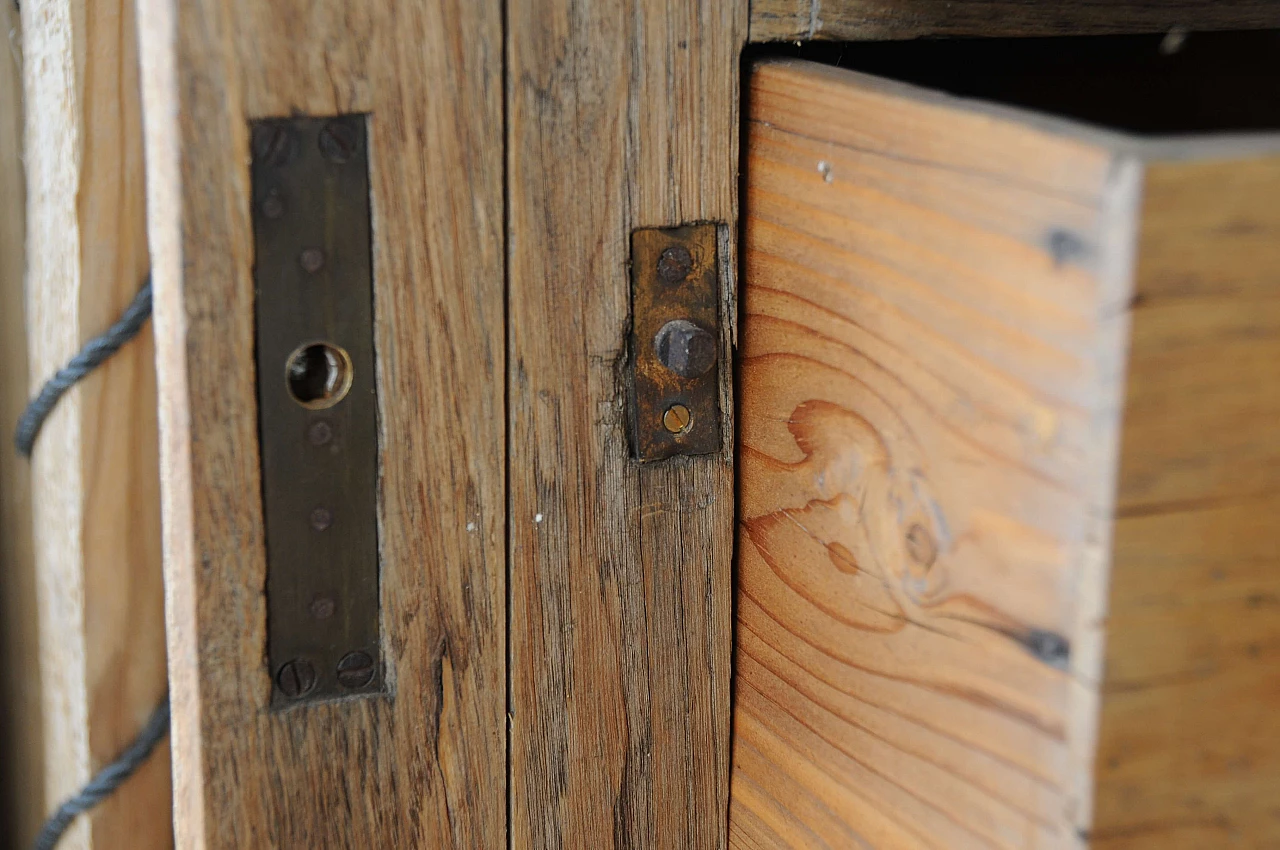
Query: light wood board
x=22 y=768
x=95 y=479
x=621 y=115
x=932 y=343
x=424 y=767
x=1189 y=747
x=861 y=20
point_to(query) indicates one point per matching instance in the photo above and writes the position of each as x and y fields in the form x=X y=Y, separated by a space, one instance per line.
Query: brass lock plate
x=317 y=406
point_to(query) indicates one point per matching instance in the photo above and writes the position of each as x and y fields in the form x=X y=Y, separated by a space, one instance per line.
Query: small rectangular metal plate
x=675 y=279
x=317 y=406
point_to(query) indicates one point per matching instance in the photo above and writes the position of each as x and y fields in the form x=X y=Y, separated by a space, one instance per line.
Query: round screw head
x=272 y=144
x=338 y=142
x=675 y=264
x=685 y=348
x=296 y=678
x=311 y=260
x=273 y=205
x=355 y=670
x=320 y=433
x=921 y=546
x=321 y=518
x=677 y=419
x=323 y=607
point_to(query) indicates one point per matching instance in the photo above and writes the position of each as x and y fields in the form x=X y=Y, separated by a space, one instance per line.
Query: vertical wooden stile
x=424 y=765
x=621 y=115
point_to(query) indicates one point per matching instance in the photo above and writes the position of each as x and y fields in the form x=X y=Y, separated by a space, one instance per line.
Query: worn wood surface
x=95 y=481
x=859 y=20
x=621 y=115
x=1189 y=746
x=424 y=767
x=932 y=341
x=22 y=768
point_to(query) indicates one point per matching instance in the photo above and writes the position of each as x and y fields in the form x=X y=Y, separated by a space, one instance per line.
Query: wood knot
x=921 y=546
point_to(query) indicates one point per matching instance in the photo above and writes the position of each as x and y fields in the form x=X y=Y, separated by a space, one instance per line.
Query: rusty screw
x=311 y=260
x=675 y=264
x=296 y=678
x=355 y=670
x=320 y=433
x=685 y=348
x=323 y=607
x=321 y=518
x=677 y=419
x=272 y=144
x=921 y=546
x=273 y=205
x=338 y=141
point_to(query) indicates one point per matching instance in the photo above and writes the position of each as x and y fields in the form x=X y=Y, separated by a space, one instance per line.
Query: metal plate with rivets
x=675 y=342
x=317 y=406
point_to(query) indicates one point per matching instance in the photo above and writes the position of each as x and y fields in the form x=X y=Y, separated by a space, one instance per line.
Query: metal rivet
x=323 y=607
x=320 y=433
x=685 y=348
x=355 y=670
x=675 y=264
x=273 y=205
x=921 y=546
x=338 y=141
x=677 y=419
x=321 y=518
x=311 y=260
x=296 y=678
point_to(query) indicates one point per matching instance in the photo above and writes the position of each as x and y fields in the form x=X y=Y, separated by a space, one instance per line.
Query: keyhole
x=319 y=375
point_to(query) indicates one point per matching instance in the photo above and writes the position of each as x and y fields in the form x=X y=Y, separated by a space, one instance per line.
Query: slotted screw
x=355 y=670
x=338 y=142
x=296 y=678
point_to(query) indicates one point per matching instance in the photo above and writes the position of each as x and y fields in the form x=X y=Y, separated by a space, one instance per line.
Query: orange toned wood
x=95 y=479
x=932 y=387
x=1189 y=747
x=855 y=20
x=926 y=378
x=425 y=766
x=621 y=115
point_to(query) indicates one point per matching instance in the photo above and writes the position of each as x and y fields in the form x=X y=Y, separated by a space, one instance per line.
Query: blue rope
x=95 y=352
x=108 y=779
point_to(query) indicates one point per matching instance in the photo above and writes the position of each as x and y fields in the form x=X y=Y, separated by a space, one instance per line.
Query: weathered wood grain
x=621 y=115
x=22 y=768
x=861 y=20
x=1189 y=741
x=929 y=386
x=95 y=479
x=424 y=767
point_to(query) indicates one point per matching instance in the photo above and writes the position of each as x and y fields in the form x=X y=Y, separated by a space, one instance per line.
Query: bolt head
x=675 y=264
x=338 y=142
x=356 y=669
x=685 y=348
x=321 y=519
x=678 y=419
x=296 y=678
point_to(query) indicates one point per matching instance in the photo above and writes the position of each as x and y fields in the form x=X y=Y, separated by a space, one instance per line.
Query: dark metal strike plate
x=317 y=406
x=675 y=340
